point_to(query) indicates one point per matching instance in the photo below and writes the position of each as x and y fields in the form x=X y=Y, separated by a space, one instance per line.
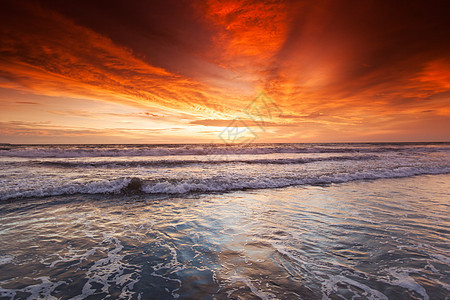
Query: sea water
x=268 y=221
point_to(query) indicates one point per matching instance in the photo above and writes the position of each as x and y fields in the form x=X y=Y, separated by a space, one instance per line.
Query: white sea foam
x=6 y=259
x=177 y=186
x=401 y=277
x=330 y=286
x=232 y=280
x=207 y=149
x=64 y=188
x=172 y=266
x=110 y=270
x=42 y=290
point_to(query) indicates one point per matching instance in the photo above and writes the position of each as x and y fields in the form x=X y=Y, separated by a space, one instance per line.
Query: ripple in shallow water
x=385 y=239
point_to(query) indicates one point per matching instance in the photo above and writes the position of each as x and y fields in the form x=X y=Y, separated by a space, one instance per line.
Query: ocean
x=213 y=221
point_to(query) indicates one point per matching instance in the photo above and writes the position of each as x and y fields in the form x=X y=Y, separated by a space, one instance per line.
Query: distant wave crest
x=44 y=151
x=183 y=162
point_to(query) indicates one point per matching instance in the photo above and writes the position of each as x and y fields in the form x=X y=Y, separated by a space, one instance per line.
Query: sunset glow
x=182 y=71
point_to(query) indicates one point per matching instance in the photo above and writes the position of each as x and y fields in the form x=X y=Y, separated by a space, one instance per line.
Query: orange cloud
x=350 y=69
x=52 y=55
x=248 y=28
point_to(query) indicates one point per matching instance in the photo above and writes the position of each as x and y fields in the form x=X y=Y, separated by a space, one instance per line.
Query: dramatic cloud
x=338 y=70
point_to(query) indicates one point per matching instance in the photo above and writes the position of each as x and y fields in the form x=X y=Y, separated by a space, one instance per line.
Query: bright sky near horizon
x=180 y=71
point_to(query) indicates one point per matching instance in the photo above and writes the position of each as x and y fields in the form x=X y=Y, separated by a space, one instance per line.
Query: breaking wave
x=67 y=151
x=213 y=184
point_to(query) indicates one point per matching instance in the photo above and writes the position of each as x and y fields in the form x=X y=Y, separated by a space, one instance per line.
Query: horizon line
x=231 y=144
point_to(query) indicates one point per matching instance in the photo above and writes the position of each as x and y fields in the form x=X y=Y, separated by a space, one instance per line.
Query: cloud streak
x=50 y=54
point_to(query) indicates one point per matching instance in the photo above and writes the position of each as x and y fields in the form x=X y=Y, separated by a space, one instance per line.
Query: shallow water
x=376 y=239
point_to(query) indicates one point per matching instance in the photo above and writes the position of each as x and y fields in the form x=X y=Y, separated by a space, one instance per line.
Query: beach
x=224 y=149
x=260 y=221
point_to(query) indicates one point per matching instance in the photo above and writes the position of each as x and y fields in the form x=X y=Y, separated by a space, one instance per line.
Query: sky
x=179 y=71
